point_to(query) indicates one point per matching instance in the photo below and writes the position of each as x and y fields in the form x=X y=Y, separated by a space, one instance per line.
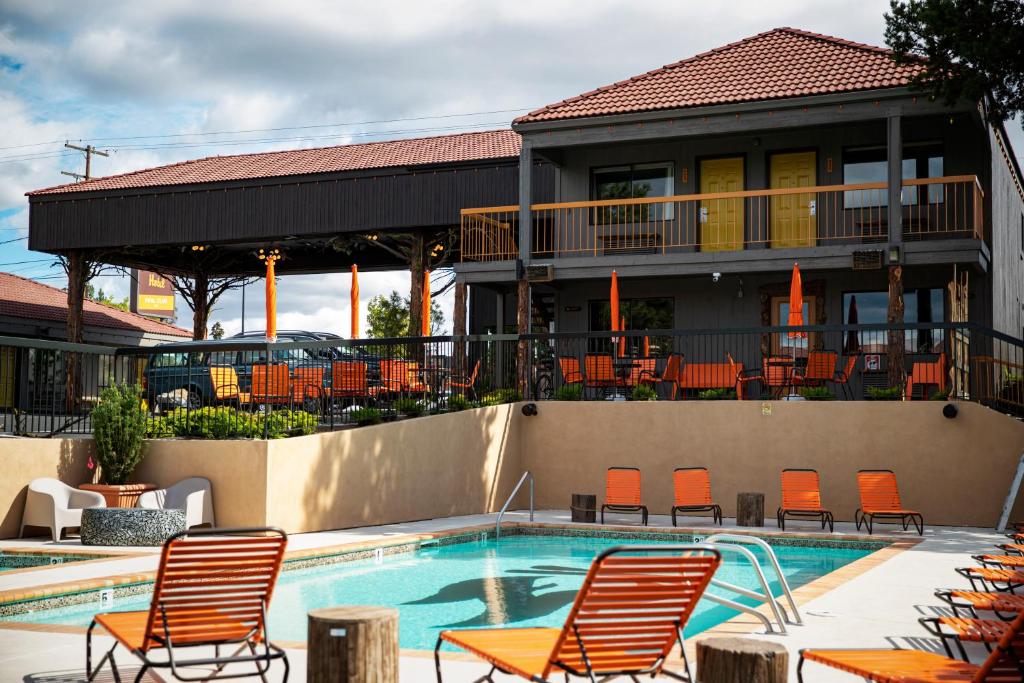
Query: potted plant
x=119 y=429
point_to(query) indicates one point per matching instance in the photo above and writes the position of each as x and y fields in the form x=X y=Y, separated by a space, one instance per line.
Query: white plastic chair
x=57 y=506
x=193 y=495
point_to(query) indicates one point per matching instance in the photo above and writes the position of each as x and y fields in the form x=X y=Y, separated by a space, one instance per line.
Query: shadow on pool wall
x=956 y=472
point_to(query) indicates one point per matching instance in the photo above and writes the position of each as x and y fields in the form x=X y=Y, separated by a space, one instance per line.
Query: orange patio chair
x=271 y=384
x=628 y=615
x=1002 y=665
x=467 y=384
x=644 y=371
x=670 y=374
x=393 y=376
x=414 y=383
x=570 y=367
x=880 y=498
x=693 y=493
x=307 y=383
x=622 y=492
x=213 y=587
x=842 y=377
x=820 y=368
x=801 y=497
x=225 y=385
x=598 y=371
x=927 y=374
x=775 y=375
x=348 y=380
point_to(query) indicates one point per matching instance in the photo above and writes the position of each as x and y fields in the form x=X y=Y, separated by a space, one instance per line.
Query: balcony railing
x=933 y=208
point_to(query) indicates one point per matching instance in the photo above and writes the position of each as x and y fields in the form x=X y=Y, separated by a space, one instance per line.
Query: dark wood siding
x=276 y=207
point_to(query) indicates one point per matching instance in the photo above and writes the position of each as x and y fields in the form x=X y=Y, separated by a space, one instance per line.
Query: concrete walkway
x=872 y=605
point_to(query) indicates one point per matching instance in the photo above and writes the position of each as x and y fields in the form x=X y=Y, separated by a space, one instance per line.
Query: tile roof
x=24 y=298
x=491 y=144
x=777 y=64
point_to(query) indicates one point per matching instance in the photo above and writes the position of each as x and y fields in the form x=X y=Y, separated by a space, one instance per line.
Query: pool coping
x=88 y=557
x=71 y=593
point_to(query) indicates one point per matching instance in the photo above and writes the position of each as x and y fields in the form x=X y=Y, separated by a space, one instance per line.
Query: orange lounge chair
x=969 y=603
x=271 y=384
x=1015 y=562
x=993 y=579
x=959 y=630
x=693 y=493
x=213 y=587
x=801 y=497
x=225 y=385
x=622 y=492
x=927 y=374
x=629 y=613
x=879 y=497
x=467 y=385
x=1002 y=665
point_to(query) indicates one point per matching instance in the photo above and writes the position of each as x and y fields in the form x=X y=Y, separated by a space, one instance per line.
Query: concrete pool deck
x=873 y=602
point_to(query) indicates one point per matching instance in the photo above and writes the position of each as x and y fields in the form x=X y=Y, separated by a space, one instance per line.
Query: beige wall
x=22 y=460
x=955 y=472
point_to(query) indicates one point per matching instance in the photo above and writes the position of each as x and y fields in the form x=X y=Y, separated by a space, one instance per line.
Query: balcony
x=804 y=217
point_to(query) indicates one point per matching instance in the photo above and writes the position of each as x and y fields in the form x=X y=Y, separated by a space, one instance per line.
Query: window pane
x=790 y=345
x=652 y=180
x=639 y=314
x=864 y=172
x=936 y=193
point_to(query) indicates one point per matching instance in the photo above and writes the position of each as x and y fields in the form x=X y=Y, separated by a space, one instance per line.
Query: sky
x=158 y=82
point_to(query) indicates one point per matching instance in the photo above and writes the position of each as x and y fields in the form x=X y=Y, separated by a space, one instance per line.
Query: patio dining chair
x=308 y=387
x=571 y=371
x=644 y=371
x=801 y=498
x=212 y=588
x=844 y=375
x=692 y=489
x=598 y=372
x=670 y=374
x=225 y=385
x=349 y=380
x=880 y=499
x=925 y=374
x=627 y=617
x=466 y=383
x=821 y=368
x=622 y=492
x=775 y=375
x=271 y=384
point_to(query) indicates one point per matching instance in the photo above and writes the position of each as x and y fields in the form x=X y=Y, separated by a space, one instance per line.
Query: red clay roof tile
x=781 y=63
x=24 y=298
x=491 y=144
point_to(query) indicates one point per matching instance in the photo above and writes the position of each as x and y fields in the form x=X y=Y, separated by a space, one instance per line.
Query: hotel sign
x=152 y=294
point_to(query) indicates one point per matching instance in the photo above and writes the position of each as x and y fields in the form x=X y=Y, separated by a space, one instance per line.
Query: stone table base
x=130 y=526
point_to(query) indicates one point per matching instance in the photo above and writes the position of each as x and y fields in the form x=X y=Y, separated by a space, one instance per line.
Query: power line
x=18 y=263
x=17 y=239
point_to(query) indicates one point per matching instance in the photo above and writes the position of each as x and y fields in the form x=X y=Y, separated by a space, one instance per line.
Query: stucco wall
x=955 y=472
x=23 y=460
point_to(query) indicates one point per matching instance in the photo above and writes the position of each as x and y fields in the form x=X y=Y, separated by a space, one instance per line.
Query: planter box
x=119 y=495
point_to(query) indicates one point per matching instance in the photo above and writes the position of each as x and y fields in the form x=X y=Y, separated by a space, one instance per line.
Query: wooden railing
x=933 y=208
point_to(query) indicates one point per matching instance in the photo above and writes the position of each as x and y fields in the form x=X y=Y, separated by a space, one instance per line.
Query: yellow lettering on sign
x=157 y=281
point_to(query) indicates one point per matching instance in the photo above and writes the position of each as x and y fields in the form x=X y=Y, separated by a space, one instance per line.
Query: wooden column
x=78 y=270
x=896 y=338
x=731 y=660
x=523 y=327
x=201 y=305
x=416 y=267
x=459 y=327
x=353 y=645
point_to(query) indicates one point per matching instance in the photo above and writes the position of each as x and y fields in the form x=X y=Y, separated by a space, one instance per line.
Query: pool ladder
x=497 y=525
x=734 y=543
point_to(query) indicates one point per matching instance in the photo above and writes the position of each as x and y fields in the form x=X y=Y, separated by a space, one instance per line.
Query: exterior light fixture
x=739 y=292
x=949 y=411
x=894 y=254
x=198 y=247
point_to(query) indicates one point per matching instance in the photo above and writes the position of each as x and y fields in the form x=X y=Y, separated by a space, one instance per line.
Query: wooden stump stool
x=584 y=507
x=353 y=645
x=741 y=660
x=749 y=509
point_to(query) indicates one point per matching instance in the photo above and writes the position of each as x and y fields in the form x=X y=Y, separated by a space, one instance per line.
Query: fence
x=255 y=389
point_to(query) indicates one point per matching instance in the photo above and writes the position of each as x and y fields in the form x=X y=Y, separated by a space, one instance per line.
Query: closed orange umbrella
x=270 y=259
x=622 y=339
x=615 y=302
x=796 y=303
x=354 y=302
x=647 y=346
x=425 y=316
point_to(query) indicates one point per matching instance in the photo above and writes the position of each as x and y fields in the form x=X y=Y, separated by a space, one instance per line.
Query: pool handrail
x=497 y=525
x=760 y=543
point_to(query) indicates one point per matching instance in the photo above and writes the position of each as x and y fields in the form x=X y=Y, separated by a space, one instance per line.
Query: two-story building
x=702 y=182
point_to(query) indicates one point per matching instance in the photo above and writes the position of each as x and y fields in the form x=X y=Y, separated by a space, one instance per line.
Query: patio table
x=130 y=526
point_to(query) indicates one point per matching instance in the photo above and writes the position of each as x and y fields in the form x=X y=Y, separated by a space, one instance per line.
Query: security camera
x=715 y=277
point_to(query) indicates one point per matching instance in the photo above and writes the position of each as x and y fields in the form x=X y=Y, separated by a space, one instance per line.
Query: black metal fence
x=255 y=389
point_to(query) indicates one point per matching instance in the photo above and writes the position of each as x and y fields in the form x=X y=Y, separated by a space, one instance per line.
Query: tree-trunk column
x=459 y=328
x=896 y=338
x=201 y=300
x=523 y=350
x=416 y=268
x=77 y=269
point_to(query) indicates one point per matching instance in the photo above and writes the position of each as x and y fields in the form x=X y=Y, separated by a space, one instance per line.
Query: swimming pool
x=24 y=560
x=521 y=580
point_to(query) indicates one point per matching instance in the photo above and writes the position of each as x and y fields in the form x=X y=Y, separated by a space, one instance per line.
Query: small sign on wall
x=872 y=361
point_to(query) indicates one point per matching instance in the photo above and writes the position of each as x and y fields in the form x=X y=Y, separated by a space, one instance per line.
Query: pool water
x=517 y=581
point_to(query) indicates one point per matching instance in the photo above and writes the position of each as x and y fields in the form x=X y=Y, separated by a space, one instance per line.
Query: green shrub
x=716 y=394
x=409 y=406
x=458 y=402
x=159 y=428
x=939 y=396
x=500 y=396
x=885 y=393
x=643 y=392
x=817 y=394
x=366 y=416
x=569 y=392
x=285 y=423
x=119 y=430
x=225 y=422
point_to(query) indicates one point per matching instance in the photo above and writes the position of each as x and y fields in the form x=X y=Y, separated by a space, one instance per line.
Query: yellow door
x=7 y=377
x=721 y=219
x=794 y=221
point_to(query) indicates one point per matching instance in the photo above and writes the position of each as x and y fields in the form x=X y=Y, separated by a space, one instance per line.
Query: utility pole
x=89 y=150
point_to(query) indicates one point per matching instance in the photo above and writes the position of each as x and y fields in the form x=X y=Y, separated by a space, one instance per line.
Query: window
x=869 y=165
x=633 y=182
x=639 y=314
x=919 y=306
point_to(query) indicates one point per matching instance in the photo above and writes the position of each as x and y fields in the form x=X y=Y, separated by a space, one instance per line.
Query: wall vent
x=870 y=259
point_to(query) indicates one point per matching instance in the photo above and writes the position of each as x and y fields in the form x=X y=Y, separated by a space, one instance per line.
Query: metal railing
x=527 y=475
x=933 y=208
x=252 y=389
